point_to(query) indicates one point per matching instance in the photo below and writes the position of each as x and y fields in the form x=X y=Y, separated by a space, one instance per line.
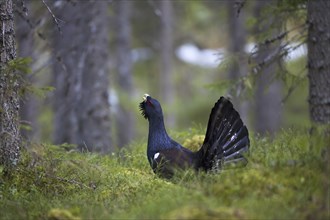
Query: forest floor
x=286 y=178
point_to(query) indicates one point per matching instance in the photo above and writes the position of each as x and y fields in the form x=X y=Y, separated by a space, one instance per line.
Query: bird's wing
x=226 y=137
x=164 y=162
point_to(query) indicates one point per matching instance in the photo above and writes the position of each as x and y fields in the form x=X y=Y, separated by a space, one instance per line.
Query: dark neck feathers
x=158 y=138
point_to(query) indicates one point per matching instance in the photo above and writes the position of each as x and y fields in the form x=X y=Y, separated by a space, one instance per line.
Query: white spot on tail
x=233 y=137
x=156 y=156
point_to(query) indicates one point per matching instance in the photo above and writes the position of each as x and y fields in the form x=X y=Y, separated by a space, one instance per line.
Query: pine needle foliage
x=286 y=178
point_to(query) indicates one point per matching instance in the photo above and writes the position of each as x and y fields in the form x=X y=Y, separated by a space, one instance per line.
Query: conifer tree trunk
x=319 y=60
x=124 y=117
x=166 y=53
x=268 y=109
x=81 y=73
x=236 y=47
x=9 y=86
x=25 y=48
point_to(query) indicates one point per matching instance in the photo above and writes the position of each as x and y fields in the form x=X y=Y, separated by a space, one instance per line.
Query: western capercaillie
x=226 y=140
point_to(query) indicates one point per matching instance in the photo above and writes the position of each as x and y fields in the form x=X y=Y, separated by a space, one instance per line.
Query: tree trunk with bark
x=9 y=86
x=82 y=113
x=319 y=60
x=124 y=116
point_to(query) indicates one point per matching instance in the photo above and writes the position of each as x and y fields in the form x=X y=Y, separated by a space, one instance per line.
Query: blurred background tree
x=237 y=32
x=81 y=74
x=125 y=120
x=29 y=104
x=268 y=91
x=166 y=51
x=185 y=53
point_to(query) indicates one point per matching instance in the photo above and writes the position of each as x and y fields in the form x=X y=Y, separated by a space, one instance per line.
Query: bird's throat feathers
x=158 y=138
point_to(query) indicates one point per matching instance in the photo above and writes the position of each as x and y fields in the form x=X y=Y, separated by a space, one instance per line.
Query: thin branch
x=275 y=38
x=280 y=37
x=30 y=24
x=25 y=122
x=57 y=20
x=282 y=50
x=24 y=17
x=269 y=59
x=24 y=8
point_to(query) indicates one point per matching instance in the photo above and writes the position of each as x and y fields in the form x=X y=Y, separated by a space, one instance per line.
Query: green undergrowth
x=286 y=178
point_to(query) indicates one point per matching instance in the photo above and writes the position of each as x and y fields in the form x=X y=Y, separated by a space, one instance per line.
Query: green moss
x=194 y=143
x=61 y=214
x=201 y=212
x=286 y=178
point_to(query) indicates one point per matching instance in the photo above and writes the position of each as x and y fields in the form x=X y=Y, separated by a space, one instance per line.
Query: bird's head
x=150 y=108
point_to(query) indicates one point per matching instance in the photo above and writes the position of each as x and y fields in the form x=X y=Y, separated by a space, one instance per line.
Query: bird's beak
x=145 y=97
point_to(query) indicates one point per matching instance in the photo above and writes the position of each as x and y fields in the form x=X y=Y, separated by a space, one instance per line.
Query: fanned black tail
x=226 y=138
